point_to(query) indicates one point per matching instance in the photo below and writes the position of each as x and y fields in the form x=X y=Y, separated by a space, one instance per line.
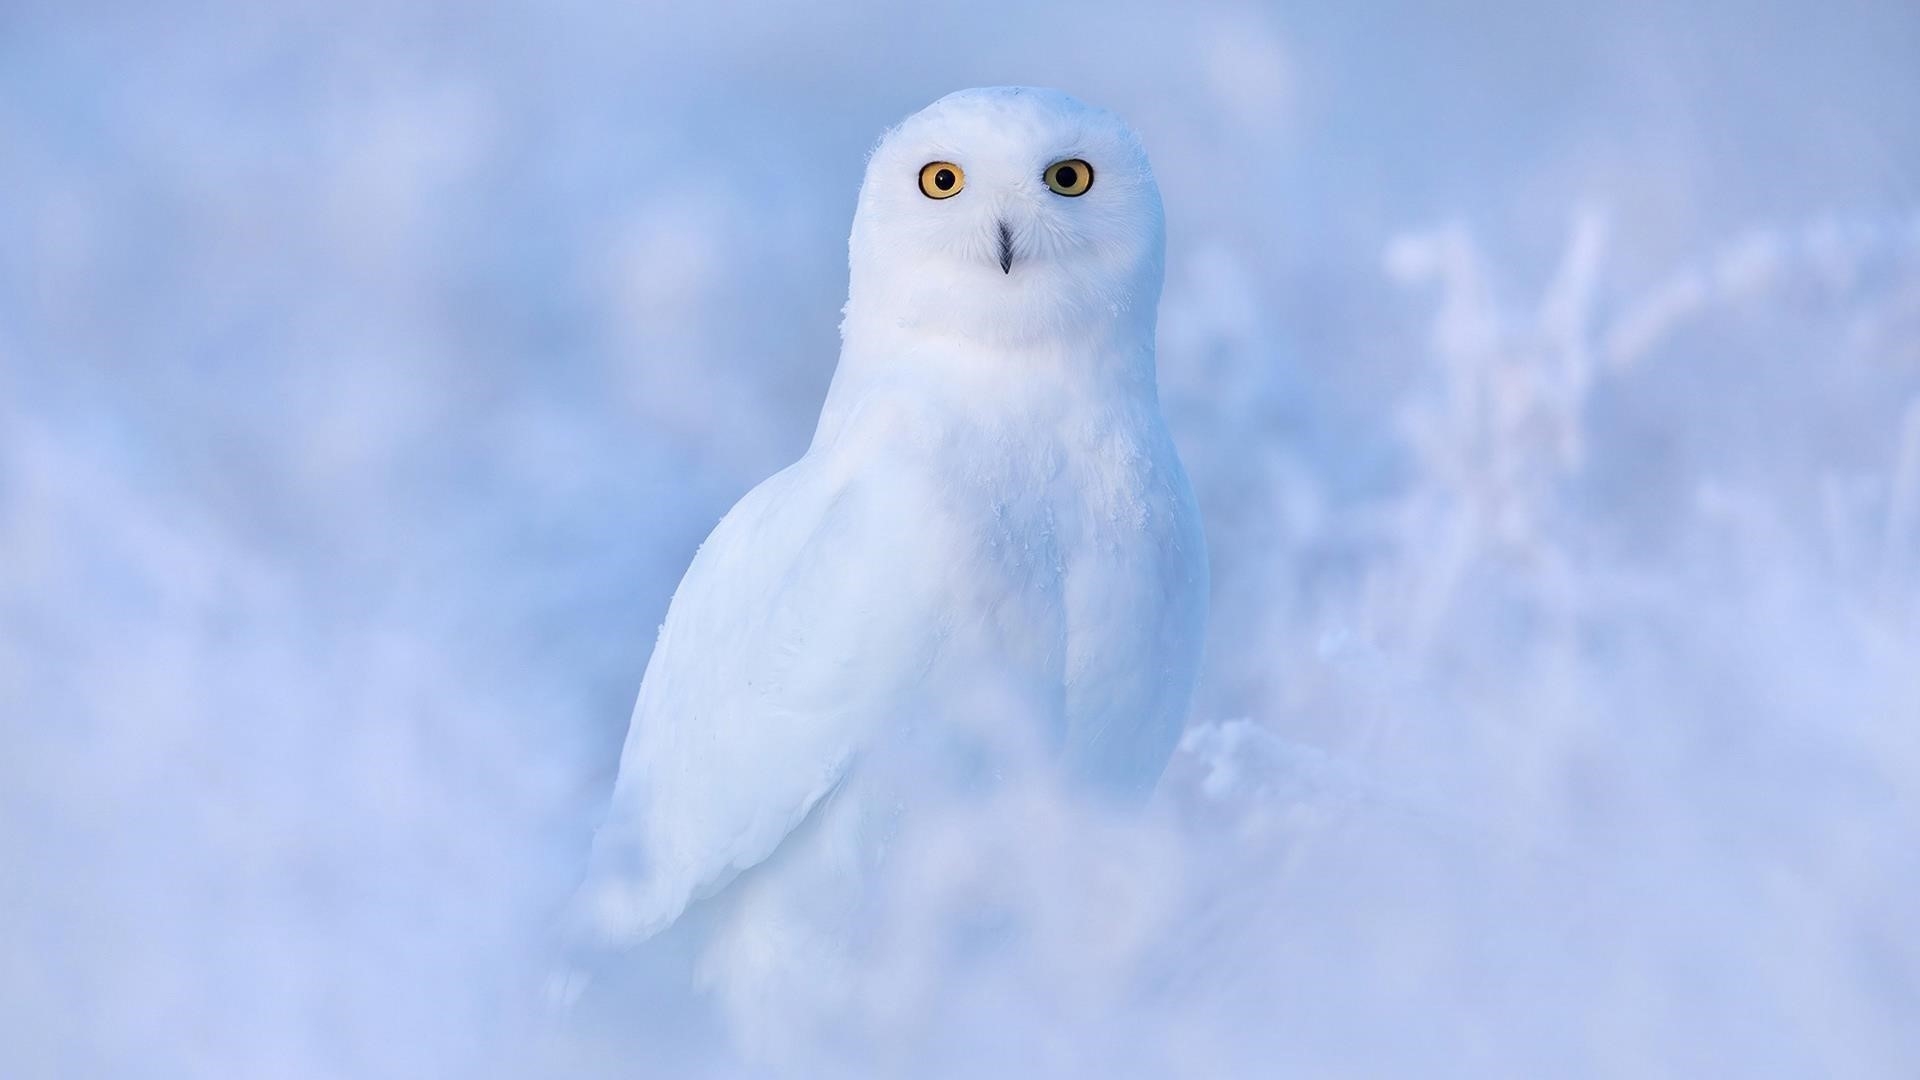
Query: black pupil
x=1066 y=176
x=943 y=179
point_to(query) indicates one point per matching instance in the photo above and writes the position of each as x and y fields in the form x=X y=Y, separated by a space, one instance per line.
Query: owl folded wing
x=802 y=624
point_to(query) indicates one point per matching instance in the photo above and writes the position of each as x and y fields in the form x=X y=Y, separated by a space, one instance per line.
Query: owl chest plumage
x=1064 y=548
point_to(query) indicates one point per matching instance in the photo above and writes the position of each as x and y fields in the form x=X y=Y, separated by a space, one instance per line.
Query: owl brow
x=1077 y=152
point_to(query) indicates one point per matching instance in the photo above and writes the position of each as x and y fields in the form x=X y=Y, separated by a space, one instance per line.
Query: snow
x=1548 y=380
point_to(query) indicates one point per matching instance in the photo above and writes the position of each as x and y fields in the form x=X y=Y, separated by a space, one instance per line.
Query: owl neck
x=988 y=381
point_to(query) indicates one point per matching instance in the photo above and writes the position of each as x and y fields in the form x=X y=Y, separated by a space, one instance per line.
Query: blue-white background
x=1550 y=376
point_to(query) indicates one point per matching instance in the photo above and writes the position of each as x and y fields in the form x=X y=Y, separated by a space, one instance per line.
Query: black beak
x=1006 y=249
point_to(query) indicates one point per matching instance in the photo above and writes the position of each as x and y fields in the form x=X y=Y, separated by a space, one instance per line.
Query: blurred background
x=1549 y=374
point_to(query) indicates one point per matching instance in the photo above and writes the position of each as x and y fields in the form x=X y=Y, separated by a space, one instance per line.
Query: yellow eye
x=941 y=179
x=1070 y=177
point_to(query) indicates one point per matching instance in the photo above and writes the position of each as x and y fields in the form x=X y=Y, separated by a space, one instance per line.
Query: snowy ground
x=1551 y=379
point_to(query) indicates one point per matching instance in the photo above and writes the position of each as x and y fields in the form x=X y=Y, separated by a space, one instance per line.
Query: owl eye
x=941 y=179
x=1070 y=177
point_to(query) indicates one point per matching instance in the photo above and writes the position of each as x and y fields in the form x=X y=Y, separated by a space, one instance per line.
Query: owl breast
x=1075 y=583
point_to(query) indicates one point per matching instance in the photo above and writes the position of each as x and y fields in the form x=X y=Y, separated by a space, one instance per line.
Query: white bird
x=989 y=554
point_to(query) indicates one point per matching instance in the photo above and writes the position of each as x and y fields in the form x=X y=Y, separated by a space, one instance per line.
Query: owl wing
x=803 y=622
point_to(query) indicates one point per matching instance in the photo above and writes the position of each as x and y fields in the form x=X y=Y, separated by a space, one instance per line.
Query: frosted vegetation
x=1551 y=383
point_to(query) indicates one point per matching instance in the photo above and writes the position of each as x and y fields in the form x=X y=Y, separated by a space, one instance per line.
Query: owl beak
x=1006 y=249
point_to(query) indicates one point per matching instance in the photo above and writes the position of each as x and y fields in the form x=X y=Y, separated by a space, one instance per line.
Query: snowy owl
x=989 y=555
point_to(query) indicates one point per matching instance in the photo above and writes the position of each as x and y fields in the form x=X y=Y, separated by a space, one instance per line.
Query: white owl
x=988 y=557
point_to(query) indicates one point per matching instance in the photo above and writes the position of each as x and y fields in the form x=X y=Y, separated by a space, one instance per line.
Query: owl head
x=1011 y=216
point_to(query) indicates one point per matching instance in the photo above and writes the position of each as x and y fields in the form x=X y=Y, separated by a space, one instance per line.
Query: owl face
x=1007 y=214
